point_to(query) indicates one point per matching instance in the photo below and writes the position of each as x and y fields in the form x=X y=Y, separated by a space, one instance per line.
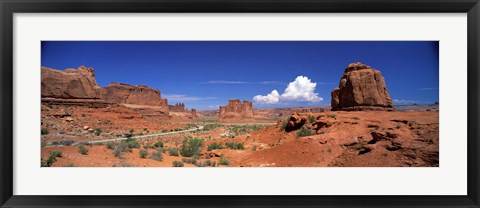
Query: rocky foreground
x=338 y=139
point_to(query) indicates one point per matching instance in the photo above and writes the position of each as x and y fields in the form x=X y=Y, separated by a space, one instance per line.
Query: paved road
x=160 y=134
x=136 y=137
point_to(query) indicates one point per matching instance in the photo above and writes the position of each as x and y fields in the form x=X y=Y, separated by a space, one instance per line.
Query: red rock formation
x=194 y=113
x=237 y=110
x=77 y=83
x=129 y=94
x=178 y=107
x=361 y=88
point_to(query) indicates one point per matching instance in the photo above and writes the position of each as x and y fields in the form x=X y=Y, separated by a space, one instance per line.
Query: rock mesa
x=361 y=88
x=129 y=94
x=71 y=83
x=236 y=110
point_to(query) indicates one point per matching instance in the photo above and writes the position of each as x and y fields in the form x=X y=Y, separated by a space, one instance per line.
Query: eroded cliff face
x=178 y=107
x=77 y=83
x=361 y=88
x=237 y=110
x=129 y=94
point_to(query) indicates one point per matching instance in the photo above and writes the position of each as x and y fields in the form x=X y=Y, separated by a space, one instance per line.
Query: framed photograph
x=239 y=103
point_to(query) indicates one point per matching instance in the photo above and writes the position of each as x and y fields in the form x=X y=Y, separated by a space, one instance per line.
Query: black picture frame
x=9 y=7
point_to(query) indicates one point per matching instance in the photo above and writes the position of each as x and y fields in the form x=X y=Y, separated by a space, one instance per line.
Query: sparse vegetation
x=159 y=144
x=52 y=158
x=191 y=147
x=283 y=125
x=244 y=129
x=224 y=161
x=82 y=149
x=254 y=148
x=173 y=152
x=110 y=145
x=157 y=156
x=69 y=165
x=214 y=146
x=311 y=119
x=44 y=131
x=143 y=153
x=398 y=127
x=98 y=131
x=190 y=160
x=177 y=163
x=304 y=132
x=332 y=115
x=43 y=144
x=132 y=143
x=359 y=146
x=131 y=131
x=234 y=146
x=209 y=127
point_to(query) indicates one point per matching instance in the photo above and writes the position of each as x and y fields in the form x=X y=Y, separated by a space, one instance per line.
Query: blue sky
x=206 y=74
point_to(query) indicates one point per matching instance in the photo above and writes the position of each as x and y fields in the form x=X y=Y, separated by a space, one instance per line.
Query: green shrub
x=98 y=131
x=69 y=165
x=191 y=147
x=190 y=160
x=143 y=153
x=157 y=156
x=177 y=163
x=148 y=146
x=159 y=144
x=117 y=152
x=311 y=119
x=359 y=146
x=131 y=131
x=224 y=161
x=283 y=125
x=120 y=148
x=82 y=149
x=234 y=146
x=304 y=132
x=254 y=148
x=52 y=158
x=214 y=146
x=43 y=144
x=208 y=163
x=132 y=143
x=45 y=131
x=173 y=151
x=207 y=156
x=110 y=145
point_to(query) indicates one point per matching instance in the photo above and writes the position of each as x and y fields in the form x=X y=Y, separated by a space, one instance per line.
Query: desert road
x=133 y=137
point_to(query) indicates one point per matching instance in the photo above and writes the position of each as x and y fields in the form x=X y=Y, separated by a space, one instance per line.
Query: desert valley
x=122 y=125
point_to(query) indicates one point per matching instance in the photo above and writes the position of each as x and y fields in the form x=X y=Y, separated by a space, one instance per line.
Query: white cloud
x=302 y=89
x=271 y=98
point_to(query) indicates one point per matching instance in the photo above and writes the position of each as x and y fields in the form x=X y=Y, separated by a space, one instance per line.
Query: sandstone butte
x=128 y=94
x=79 y=86
x=361 y=88
x=77 y=83
x=236 y=110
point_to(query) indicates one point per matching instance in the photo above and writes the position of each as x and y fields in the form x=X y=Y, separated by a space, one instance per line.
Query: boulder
x=296 y=121
x=361 y=88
